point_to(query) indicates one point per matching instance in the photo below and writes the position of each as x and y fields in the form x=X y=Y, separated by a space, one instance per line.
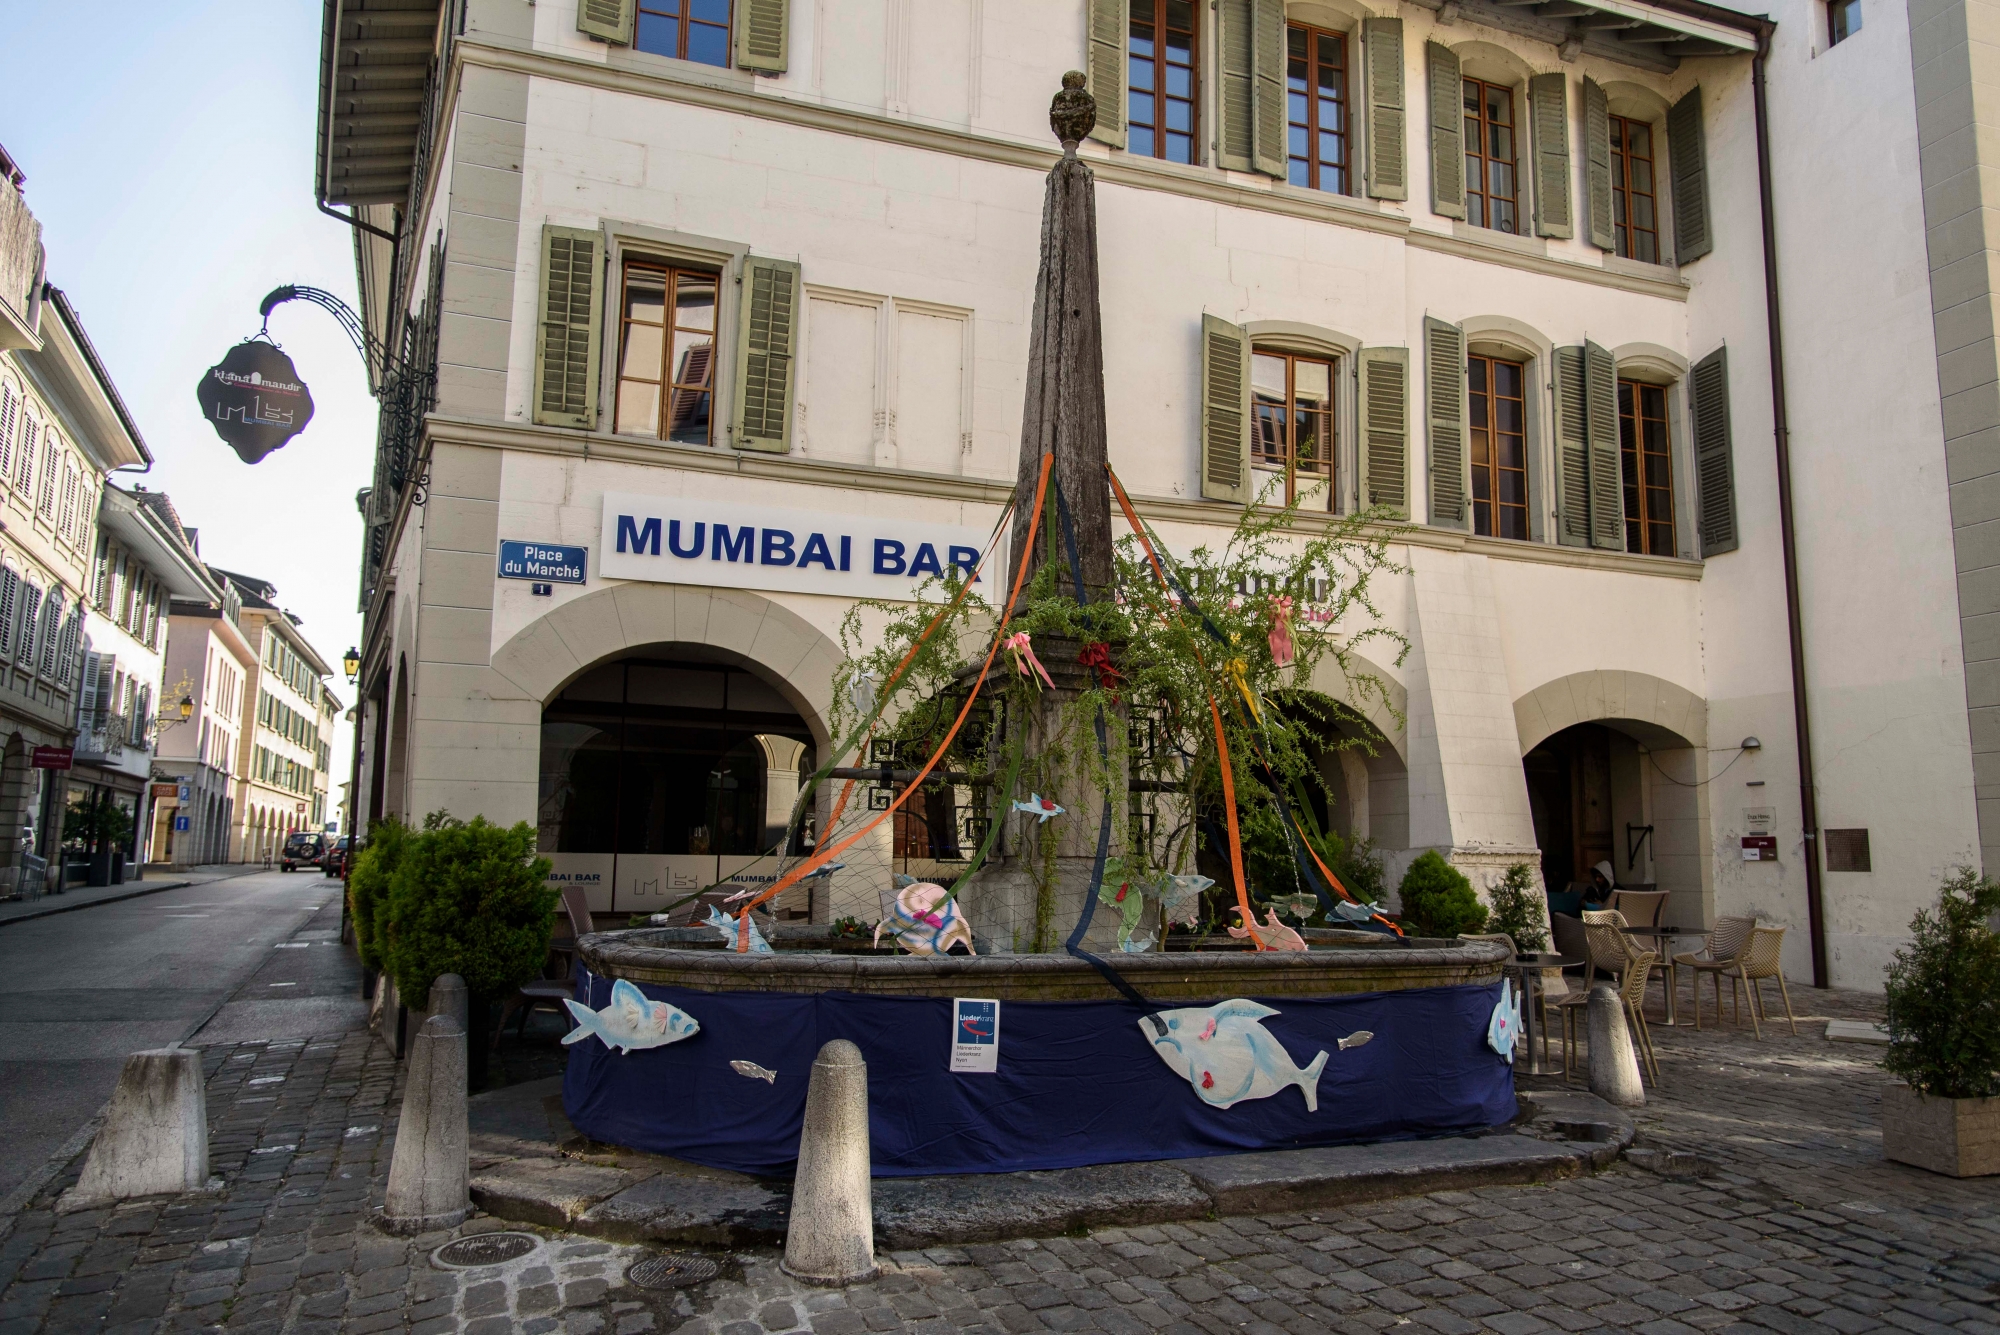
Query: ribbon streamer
x=1097 y=657
x=1282 y=649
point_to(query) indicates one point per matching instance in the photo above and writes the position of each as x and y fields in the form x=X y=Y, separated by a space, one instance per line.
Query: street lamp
x=350 y=663
x=187 y=708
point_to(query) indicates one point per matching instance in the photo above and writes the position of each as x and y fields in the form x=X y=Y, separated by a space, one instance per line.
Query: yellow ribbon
x=1238 y=671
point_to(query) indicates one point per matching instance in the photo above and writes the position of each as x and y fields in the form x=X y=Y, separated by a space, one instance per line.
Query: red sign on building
x=54 y=757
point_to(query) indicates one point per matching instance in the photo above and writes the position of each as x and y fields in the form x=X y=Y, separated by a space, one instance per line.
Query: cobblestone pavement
x=1798 y=1227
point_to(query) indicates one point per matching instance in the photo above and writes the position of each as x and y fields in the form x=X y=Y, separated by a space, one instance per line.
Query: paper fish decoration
x=1272 y=935
x=1505 y=1026
x=1129 y=899
x=1039 y=807
x=1300 y=905
x=925 y=921
x=755 y=1072
x=1227 y=1055
x=1180 y=898
x=1136 y=945
x=631 y=1021
x=1355 y=912
x=861 y=692
x=726 y=925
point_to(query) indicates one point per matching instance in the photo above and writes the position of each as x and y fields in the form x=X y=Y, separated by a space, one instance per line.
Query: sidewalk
x=83 y=897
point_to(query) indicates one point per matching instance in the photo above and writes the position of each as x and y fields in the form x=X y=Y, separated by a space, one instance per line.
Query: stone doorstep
x=629 y=1197
x=1856 y=1031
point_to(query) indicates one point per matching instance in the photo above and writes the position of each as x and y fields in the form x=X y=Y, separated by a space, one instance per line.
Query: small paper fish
x=1356 y=912
x=1227 y=1056
x=1180 y=898
x=1300 y=905
x=631 y=1021
x=755 y=1072
x=1272 y=935
x=726 y=925
x=925 y=921
x=1136 y=945
x=1505 y=1026
x=1039 y=807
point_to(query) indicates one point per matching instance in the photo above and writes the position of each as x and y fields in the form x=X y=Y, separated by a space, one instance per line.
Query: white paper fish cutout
x=1272 y=935
x=631 y=1021
x=1039 y=807
x=726 y=925
x=1356 y=912
x=1180 y=898
x=1228 y=1056
x=755 y=1072
x=1505 y=1026
x=1136 y=945
x=925 y=922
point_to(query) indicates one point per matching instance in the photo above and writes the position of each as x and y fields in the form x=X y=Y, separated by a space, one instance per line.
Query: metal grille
x=484 y=1249
x=672 y=1270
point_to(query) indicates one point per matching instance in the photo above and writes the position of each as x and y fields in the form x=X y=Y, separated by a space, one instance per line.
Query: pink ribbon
x=1282 y=651
x=1024 y=658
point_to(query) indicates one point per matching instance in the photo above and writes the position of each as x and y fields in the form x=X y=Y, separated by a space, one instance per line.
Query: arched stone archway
x=1608 y=693
x=1370 y=784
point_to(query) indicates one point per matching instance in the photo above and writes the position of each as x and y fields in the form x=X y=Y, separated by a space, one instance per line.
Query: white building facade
x=1499 y=269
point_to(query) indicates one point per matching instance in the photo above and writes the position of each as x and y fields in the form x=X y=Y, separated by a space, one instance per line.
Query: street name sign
x=544 y=561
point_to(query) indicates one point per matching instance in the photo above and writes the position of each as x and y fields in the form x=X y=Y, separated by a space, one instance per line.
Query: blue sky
x=169 y=157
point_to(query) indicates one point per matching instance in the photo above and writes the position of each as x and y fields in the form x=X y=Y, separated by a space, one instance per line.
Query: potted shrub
x=1519 y=909
x=1437 y=900
x=368 y=893
x=1944 y=1035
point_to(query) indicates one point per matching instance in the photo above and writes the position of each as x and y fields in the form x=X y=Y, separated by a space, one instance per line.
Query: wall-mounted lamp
x=1752 y=744
x=187 y=708
x=350 y=663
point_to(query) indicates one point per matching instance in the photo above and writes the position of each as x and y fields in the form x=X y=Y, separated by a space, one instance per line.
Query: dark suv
x=335 y=861
x=303 y=848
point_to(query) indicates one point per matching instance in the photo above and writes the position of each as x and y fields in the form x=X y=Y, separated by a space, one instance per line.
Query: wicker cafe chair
x=1606 y=949
x=550 y=992
x=1642 y=908
x=1717 y=957
x=1758 y=960
x=1632 y=996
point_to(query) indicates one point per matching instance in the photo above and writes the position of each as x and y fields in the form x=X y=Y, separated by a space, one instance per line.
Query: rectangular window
x=1634 y=213
x=666 y=353
x=1843 y=20
x=1292 y=399
x=1648 y=468
x=1490 y=189
x=1316 y=108
x=696 y=30
x=1160 y=87
x=1497 y=418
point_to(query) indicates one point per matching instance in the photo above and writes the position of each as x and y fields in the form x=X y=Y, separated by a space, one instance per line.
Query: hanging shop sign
x=543 y=561
x=254 y=399
x=685 y=541
x=54 y=757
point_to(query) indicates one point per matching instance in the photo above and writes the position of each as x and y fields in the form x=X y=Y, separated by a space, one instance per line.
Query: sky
x=169 y=159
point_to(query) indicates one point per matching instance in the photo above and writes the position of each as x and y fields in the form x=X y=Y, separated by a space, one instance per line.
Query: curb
x=94 y=903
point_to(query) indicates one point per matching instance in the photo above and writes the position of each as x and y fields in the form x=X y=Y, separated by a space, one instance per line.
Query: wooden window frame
x=1344 y=169
x=1489 y=509
x=1835 y=10
x=1642 y=525
x=1622 y=191
x=1327 y=466
x=684 y=21
x=671 y=272
x=1156 y=126
x=1478 y=162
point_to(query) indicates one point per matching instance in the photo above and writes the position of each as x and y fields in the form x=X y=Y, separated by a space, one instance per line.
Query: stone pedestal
x=428 y=1174
x=830 y=1238
x=155 y=1135
x=1614 y=1066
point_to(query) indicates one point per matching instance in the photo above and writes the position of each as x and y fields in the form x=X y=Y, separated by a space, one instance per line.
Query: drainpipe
x=1781 y=426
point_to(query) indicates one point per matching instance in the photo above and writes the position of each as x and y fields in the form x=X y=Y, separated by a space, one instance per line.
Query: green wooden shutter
x=1269 y=62
x=767 y=332
x=1687 y=155
x=1607 y=481
x=1444 y=414
x=1386 y=152
x=1104 y=71
x=1597 y=164
x=571 y=322
x=763 y=33
x=1714 y=460
x=1225 y=412
x=607 y=20
x=1447 y=132
x=1236 y=96
x=1572 y=450
x=1385 y=430
x=1548 y=97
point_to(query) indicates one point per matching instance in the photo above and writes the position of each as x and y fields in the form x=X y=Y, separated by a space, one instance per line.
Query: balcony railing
x=103 y=735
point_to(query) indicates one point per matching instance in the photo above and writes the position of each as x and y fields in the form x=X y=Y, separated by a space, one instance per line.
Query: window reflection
x=1160 y=80
x=666 y=372
x=1497 y=437
x=1292 y=426
x=1489 y=156
x=1316 y=109
x=696 y=30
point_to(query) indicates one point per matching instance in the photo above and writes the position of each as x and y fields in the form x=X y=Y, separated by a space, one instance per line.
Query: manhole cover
x=484 y=1249
x=672 y=1270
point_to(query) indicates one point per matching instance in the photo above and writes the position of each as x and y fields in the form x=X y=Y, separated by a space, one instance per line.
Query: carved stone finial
x=1072 y=112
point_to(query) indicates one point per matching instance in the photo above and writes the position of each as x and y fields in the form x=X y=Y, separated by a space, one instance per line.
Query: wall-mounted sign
x=543 y=561
x=254 y=399
x=975 y=1035
x=180 y=825
x=682 y=541
x=54 y=757
x=166 y=790
x=1760 y=848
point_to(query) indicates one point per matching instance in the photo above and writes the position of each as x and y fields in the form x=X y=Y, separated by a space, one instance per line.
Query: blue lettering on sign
x=888 y=557
x=846 y=550
x=674 y=540
x=547 y=563
x=816 y=550
x=777 y=547
x=925 y=562
x=734 y=546
x=963 y=559
x=641 y=538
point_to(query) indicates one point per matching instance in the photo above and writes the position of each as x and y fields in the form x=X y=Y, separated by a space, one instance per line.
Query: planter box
x=1959 y=1137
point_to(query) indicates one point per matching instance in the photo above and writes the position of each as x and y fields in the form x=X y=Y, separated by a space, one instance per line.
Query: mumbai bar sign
x=54 y=757
x=254 y=399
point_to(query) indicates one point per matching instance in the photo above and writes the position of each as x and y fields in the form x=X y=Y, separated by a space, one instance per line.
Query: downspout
x=1781 y=428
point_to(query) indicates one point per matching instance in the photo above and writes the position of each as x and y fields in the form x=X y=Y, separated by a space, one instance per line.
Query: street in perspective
x=1106 y=665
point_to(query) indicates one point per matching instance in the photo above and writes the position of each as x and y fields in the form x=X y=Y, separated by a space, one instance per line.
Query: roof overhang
x=375 y=58
x=179 y=570
x=1654 y=36
x=69 y=367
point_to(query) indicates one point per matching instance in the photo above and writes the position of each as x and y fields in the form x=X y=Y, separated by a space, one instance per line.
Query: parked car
x=303 y=848
x=335 y=861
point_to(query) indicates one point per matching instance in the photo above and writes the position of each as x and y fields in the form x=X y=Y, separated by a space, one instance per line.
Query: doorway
x=1570 y=797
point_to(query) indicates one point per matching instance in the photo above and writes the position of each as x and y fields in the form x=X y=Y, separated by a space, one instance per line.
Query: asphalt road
x=250 y=957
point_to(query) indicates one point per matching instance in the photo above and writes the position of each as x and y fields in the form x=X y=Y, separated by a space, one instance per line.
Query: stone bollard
x=1614 y=1066
x=831 y=1236
x=155 y=1134
x=428 y=1173
x=448 y=997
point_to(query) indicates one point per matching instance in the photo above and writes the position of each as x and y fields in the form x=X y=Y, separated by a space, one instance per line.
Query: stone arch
x=1638 y=702
x=1386 y=715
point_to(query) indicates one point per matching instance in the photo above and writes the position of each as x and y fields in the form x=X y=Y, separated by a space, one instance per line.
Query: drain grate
x=672 y=1270
x=484 y=1249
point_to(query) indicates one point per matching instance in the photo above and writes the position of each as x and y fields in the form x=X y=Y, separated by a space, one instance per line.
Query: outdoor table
x=1529 y=966
x=1663 y=940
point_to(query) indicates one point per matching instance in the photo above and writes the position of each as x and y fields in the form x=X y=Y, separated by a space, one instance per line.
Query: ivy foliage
x=1944 y=994
x=469 y=898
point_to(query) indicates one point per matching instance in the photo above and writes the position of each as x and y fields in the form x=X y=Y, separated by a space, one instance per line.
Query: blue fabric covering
x=1078 y=1081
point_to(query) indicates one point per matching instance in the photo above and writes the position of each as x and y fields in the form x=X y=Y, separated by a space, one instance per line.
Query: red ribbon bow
x=1097 y=657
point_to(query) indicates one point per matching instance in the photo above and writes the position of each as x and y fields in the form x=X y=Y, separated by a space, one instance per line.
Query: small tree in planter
x=1438 y=900
x=1519 y=909
x=1944 y=1035
x=368 y=886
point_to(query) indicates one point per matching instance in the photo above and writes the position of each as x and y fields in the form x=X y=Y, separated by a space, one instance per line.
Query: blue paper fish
x=1180 y=898
x=1136 y=945
x=631 y=1021
x=1039 y=807
x=1228 y=1056
x=1355 y=912
x=1505 y=1026
x=726 y=925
